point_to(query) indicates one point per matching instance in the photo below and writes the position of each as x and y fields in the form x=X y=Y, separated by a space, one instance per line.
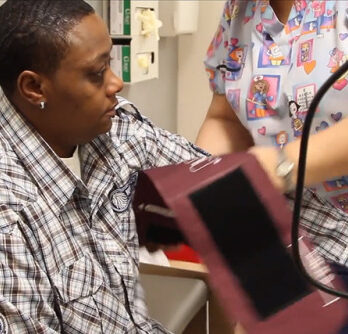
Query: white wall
x=194 y=95
x=157 y=98
x=179 y=99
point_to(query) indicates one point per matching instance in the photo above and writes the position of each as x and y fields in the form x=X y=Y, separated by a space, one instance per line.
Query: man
x=68 y=167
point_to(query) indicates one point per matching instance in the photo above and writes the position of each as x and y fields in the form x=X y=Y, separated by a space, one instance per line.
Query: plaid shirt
x=71 y=243
x=326 y=226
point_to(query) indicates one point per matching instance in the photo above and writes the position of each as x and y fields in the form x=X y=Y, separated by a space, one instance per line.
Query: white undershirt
x=74 y=163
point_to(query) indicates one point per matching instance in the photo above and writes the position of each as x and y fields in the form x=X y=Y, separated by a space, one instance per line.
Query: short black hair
x=33 y=35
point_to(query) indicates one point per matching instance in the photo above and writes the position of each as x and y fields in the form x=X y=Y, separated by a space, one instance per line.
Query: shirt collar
x=56 y=182
x=101 y=165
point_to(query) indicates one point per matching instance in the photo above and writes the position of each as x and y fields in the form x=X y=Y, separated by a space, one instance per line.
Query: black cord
x=300 y=181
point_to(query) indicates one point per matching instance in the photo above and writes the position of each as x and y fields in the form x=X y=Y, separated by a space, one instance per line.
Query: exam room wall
x=194 y=95
x=179 y=99
x=157 y=98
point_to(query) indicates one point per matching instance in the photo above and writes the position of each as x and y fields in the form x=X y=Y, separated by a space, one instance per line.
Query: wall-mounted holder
x=178 y=17
x=134 y=28
x=135 y=59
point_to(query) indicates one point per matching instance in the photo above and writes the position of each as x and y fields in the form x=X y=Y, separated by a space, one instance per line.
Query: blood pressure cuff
x=228 y=211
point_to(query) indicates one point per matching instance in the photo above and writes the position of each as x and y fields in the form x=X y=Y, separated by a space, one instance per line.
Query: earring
x=42 y=105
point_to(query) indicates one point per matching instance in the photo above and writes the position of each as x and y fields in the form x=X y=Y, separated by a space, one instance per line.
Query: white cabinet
x=134 y=28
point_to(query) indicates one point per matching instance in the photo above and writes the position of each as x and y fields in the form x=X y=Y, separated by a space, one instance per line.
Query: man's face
x=81 y=94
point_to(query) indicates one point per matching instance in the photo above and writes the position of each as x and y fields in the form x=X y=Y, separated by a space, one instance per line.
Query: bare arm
x=327 y=155
x=221 y=131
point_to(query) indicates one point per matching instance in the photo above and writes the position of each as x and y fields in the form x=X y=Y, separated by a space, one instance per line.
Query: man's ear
x=30 y=87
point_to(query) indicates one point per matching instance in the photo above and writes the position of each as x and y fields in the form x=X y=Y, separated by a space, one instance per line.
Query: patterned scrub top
x=270 y=71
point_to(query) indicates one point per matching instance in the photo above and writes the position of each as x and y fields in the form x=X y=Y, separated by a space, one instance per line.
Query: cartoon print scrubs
x=271 y=54
x=261 y=96
x=337 y=58
x=296 y=120
x=270 y=71
x=234 y=63
x=281 y=139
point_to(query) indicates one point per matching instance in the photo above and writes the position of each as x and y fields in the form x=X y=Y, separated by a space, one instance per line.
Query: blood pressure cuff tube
x=228 y=211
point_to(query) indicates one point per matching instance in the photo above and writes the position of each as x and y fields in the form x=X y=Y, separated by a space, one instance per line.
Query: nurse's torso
x=273 y=71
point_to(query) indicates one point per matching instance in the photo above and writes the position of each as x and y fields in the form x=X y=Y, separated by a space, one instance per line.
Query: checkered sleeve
x=326 y=225
x=146 y=145
x=166 y=148
x=25 y=293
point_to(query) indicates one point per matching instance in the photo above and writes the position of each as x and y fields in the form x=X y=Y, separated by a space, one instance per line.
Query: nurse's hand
x=268 y=157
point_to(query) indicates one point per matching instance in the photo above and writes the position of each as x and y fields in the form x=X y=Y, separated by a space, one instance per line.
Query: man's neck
x=37 y=119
